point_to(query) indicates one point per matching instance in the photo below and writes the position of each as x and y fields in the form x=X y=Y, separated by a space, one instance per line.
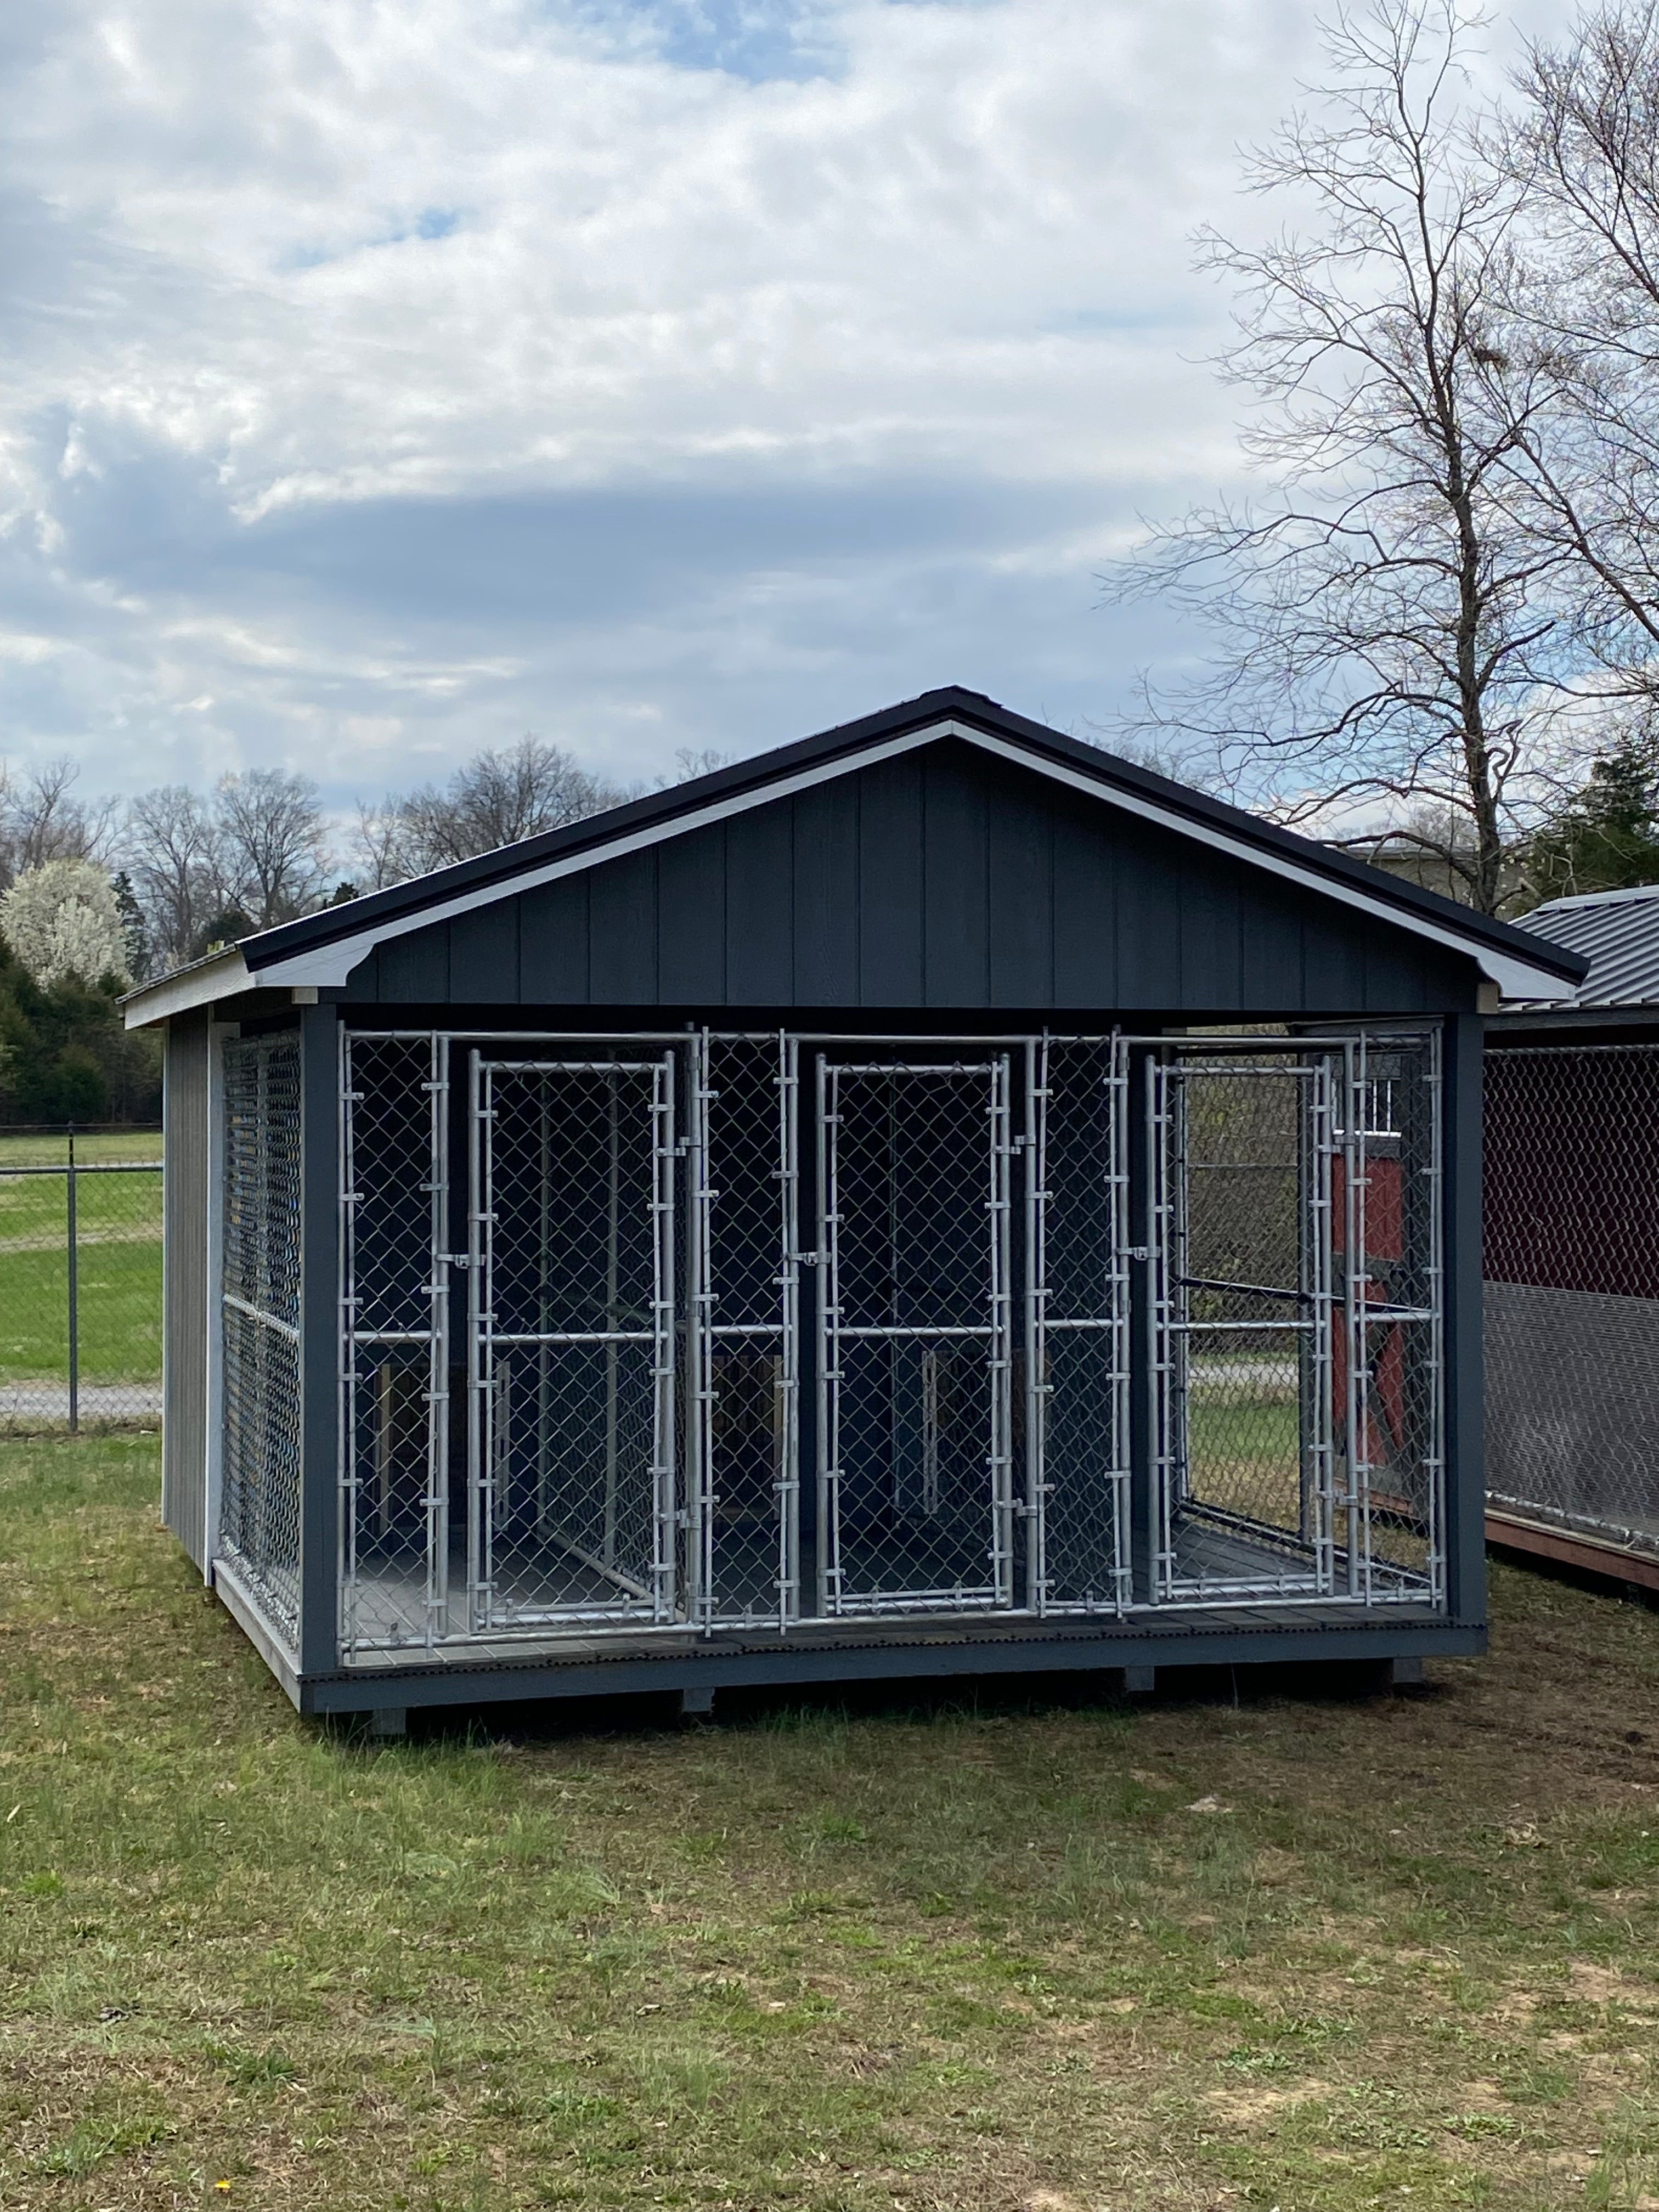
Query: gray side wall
x=185 y=1152
x=944 y=879
x=1572 y=1407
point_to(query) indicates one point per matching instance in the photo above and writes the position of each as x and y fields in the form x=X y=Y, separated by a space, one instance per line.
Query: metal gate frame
x=487 y=1437
x=1168 y=1081
x=1336 y=1126
x=835 y=1331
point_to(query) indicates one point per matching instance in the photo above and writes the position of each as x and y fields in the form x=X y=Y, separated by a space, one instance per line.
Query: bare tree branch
x=1385 y=628
x=494 y=799
x=272 y=853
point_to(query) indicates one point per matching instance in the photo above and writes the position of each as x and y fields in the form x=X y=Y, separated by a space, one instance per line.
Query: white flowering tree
x=62 y=920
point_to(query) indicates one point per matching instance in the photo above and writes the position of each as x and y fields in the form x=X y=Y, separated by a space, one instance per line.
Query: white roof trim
x=198 y=985
x=329 y=966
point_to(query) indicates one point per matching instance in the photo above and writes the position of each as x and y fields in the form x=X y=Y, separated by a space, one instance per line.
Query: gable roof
x=321 y=950
x=1618 y=933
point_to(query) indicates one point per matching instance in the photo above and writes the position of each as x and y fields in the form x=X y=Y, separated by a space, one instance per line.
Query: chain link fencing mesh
x=576 y=1342
x=740 y=1441
x=80 y=1279
x=1572 y=1288
x=914 y=1228
x=1075 y=1410
x=260 y=1299
x=398 y=1537
x=1299 y=1321
x=607 y=1300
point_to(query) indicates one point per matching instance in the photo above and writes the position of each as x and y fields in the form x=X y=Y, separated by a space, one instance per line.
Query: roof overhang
x=328 y=965
x=204 y=983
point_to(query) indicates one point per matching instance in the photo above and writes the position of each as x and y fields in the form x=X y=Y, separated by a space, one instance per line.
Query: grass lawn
x=118 y=1240
x=1313 y=1952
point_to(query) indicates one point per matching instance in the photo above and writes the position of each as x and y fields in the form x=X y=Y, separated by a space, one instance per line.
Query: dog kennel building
x=1572 y=1251
x=933 y=1199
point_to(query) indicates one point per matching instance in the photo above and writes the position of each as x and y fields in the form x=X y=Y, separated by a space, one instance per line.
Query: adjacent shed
x=934 y=1199
x=1572 y=1250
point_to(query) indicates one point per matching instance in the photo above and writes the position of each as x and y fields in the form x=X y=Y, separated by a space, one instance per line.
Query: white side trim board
x=330 y=966
x=200 y=986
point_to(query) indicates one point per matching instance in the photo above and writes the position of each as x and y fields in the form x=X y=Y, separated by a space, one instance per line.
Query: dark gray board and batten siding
x=943 y=878
x=184 y=1175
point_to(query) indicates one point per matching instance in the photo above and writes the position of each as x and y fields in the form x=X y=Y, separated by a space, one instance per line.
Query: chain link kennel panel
x=1297 y=1287
x=1241 y=1259
x=572 y=1342
x=1572 y=1288
x=396 y=1532
x=742 y=1425
x=1077 y=1348
x=1388 y=1363
x=259 y=1321
x=915 y=1509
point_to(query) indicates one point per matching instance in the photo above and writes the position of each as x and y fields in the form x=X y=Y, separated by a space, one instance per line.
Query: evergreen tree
x=134 y=934
x=1606 y=838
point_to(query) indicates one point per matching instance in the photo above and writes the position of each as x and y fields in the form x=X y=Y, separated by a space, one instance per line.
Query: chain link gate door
x=576 y=1514
x=1294 y=1239
x=1242 y=1149
x=916 y=1506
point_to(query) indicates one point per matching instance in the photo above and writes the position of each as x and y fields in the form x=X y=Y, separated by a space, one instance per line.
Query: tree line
x=1433 y=631
x=97 y=894
x=191 y=869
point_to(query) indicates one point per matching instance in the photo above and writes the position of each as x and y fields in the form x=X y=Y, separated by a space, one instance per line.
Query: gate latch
x=458 y=1259
x=1139 y=1252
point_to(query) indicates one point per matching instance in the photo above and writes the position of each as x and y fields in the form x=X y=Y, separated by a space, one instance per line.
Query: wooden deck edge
x=1613 y=1562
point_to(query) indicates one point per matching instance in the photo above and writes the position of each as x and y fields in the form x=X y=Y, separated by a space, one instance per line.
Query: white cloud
x=323 y=305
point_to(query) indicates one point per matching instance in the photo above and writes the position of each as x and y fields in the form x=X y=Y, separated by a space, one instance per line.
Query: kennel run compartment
x=698 y=1250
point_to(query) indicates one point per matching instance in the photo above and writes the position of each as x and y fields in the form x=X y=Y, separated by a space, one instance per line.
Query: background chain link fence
x=80 y=1278
x=1572 y=1288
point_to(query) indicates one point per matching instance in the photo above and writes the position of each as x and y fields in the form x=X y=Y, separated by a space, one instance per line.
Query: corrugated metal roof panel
x=1618 y=932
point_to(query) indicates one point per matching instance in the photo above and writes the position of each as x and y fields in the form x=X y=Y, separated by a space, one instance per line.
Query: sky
x=388 y=380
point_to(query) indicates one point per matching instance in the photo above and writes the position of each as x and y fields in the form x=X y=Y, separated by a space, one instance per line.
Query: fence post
x=73 y=1301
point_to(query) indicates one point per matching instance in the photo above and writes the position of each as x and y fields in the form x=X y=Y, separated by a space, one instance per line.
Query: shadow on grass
x=807 y=1707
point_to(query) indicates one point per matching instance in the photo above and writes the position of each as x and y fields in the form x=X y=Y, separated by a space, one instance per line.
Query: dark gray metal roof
x=1618 y=932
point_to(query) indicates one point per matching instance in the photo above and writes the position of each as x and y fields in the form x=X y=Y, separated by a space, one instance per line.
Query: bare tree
x=495 y=799
x=1585 y=148
x=376 y=845
x=1385 y=625
x=41 y=819
x=692 y=760
x=271 y=847
x=169 y=847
